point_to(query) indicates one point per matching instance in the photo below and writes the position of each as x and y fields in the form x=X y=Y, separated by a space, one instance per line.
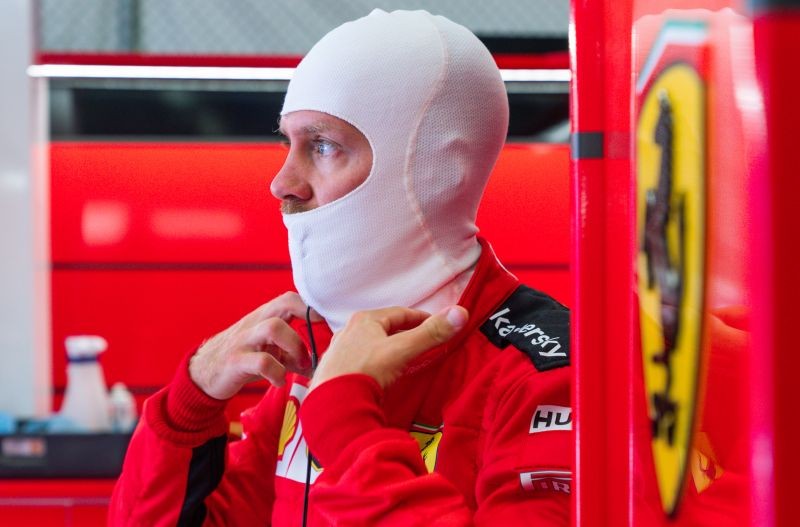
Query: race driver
x=394 y=122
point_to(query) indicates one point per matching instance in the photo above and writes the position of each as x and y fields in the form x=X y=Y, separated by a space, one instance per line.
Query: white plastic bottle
x=123 y=408
x=86 y=400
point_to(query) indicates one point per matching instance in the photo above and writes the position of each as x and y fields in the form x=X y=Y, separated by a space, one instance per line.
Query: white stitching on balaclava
x=428 y=96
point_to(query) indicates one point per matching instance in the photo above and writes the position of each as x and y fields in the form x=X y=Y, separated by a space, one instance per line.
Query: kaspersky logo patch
x=670 y=173
x=535 y=335
x=533 y=323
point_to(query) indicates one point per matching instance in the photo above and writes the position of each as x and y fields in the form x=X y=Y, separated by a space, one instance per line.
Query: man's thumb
x=442 y=326
x=433 y=331
x=455 y=316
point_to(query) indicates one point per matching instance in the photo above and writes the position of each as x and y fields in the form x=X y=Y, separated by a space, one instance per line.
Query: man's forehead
x=307 y=125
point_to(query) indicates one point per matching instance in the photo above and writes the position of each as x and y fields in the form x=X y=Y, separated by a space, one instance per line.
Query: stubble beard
x=293 y=206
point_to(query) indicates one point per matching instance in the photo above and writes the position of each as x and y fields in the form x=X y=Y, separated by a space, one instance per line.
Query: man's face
x=327 y=159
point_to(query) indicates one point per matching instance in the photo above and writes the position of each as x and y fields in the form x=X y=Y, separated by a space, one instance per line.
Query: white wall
x=24 y=280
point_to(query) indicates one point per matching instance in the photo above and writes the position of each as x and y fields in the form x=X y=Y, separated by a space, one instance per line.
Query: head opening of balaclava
x=428 y=96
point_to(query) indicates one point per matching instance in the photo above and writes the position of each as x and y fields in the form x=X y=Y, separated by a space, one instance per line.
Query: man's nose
x=289 y=182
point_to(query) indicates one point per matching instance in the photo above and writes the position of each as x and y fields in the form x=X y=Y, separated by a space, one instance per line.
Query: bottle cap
x=85 y=346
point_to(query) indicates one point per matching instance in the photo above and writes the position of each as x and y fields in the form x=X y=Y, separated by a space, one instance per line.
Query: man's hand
x=381 y=342
x=259 y=346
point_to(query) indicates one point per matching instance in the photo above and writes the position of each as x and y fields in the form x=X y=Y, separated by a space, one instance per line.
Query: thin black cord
x=311 y=339
x=308 y=452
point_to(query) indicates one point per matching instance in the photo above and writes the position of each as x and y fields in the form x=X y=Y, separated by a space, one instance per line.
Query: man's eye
x=324 y=148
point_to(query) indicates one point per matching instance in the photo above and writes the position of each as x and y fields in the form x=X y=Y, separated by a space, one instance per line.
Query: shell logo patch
x=289 y=426
x=292 y=449
x=670 y=179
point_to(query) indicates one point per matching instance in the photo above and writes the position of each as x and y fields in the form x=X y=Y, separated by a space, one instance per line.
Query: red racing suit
x=476 y=432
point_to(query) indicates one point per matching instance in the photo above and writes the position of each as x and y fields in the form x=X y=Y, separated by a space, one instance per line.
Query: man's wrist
x=188 y=407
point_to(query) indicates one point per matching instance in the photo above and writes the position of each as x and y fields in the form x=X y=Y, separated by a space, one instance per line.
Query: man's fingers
x=433 y=331
x=380 y=342
x=263 y=340
x=276 y=337
x=286 y=306
x=263 y=365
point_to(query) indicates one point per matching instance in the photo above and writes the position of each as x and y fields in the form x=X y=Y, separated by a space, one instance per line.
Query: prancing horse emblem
x=671 y=226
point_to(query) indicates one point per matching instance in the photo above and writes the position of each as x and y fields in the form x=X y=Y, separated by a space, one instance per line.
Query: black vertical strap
x=205 y=473
x=586 y=145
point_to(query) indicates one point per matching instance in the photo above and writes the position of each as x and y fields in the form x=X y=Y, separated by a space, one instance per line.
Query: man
x=394 y=123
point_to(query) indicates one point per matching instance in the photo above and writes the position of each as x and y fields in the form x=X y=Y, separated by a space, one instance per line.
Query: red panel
x=152 y=318
x=145 y=202
x=159 y=246
x=54 y=488
x=88 y=515
x=54 y=503
x=556 y=59
x=136 y=202
x=776 y=461
x=555 y=283
x=33 y=515
x=525 y=210
x=158 y=59
x=551 y=60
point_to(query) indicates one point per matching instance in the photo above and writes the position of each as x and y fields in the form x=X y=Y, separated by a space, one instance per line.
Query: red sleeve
x=177 y=422
x=367 y=477
x=375 y=474
x=246 y=494
x=179 y=469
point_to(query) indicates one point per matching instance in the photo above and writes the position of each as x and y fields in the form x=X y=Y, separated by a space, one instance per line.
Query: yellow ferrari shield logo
x=670 y=143
x=428 y=438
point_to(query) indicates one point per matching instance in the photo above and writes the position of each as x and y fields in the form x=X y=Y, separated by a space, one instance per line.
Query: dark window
x=240 y=110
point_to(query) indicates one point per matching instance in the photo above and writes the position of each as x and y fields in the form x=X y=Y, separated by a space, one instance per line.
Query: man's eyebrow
x=310 y=129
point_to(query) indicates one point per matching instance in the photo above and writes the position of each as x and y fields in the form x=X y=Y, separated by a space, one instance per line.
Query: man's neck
x=448 y=294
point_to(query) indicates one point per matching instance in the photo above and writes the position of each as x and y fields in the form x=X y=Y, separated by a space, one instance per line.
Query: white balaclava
x=428 y=96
